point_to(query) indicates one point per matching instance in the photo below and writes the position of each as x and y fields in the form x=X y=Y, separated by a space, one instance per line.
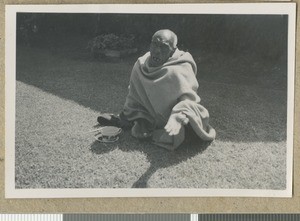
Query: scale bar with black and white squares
x=149 y=217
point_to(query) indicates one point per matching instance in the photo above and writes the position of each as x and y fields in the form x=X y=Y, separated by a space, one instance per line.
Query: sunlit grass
x=61 y=93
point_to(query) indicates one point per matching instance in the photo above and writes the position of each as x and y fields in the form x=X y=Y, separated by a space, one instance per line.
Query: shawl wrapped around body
x=155 y=93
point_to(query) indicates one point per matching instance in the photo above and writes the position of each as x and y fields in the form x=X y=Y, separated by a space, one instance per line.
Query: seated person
x=162 y=99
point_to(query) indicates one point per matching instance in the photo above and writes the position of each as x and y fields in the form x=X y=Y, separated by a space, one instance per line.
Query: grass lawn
x=61 y=92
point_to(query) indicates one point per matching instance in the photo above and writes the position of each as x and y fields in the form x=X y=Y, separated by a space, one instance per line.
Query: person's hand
x=175 y=123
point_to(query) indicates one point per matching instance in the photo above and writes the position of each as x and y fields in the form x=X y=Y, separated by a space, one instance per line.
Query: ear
x=172 y=52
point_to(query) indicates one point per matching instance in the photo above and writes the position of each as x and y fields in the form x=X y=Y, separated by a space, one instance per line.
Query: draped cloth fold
x=155 y=93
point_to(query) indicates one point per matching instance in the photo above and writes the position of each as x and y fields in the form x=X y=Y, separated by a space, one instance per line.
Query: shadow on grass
x=240 y=112
x=157 y=156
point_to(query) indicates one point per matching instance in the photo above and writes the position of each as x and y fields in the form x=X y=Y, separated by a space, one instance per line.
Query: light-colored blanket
x=155 y=93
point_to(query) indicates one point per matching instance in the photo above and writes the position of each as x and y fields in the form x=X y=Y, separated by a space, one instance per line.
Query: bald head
x=167 y=36
x=162 y=47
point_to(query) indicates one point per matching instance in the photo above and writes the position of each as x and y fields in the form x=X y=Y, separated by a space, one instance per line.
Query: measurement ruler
x=149 y=217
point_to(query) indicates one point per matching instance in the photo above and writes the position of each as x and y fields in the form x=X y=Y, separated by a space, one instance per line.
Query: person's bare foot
x=175 y=123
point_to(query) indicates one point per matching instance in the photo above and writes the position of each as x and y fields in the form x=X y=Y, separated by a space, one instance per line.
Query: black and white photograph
x=149 y=100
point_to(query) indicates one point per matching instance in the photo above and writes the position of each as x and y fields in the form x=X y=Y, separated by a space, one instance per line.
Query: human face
x=160 y=50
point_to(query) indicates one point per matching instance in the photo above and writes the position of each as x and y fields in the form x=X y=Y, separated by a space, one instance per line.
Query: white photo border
x=216 y=8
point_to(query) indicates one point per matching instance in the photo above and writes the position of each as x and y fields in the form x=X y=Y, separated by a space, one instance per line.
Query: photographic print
x=149 y=100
